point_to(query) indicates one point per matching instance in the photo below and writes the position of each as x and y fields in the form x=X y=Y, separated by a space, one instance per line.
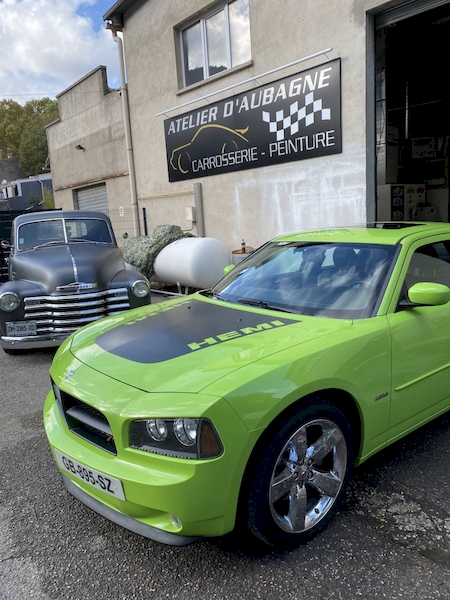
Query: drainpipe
x=127 y=124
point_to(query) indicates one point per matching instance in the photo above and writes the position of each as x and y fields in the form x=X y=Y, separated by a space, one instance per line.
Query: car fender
x=23 y=289
x=125 y=279
x=353 y=368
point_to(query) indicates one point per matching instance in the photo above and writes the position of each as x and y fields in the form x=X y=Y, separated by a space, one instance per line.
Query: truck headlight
x=140 y=289
x=183 y=437
x=9 y=301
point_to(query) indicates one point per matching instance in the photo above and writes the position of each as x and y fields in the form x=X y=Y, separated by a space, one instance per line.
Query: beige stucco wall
x=254 y=204
x=90 y=116
x=259 y=203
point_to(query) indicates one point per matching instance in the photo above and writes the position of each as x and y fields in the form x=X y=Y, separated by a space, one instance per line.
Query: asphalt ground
x=390 y=540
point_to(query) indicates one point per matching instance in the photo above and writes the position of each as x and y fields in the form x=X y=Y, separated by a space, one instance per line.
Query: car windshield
x=63 y=231
x=321 y=279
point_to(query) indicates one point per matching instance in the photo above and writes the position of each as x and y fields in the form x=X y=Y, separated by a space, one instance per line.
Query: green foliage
x=22 y=131
x=34 y=200
x=11 y=127
x=49 y=199
x=33 y=148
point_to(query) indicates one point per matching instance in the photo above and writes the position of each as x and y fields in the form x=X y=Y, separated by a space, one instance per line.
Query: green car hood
x=184 y=346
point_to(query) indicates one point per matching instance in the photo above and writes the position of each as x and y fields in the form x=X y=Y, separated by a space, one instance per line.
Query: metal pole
x=42 y=188
x=127 y=125
x=198 y=198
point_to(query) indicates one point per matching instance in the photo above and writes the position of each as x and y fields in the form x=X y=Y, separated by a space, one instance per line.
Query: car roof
x=391 y=233
x=44 y=215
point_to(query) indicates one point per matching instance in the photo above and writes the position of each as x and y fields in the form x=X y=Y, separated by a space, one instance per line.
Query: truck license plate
x=20 y=328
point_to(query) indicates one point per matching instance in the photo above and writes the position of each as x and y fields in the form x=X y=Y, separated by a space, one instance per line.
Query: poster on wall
x=294 y=118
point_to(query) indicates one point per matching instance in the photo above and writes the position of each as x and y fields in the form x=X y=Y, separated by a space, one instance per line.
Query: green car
x=248 y=405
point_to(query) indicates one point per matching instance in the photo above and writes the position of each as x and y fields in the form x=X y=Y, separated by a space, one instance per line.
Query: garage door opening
x=413 y=113
x=93 y=197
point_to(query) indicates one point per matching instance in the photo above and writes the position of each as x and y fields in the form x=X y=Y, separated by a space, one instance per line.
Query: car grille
x=66 y=313
x=86 y=421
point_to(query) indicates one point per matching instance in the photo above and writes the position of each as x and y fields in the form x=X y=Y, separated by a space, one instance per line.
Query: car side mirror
x=5 y=245
x=228 y=269
x=428 y=294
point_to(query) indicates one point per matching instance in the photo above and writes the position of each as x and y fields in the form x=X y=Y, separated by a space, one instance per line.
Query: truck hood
x=54 y=266
x=186 y=345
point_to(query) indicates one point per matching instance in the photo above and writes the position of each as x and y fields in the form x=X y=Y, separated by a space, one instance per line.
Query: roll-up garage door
x=405 y=10
x=93 y=198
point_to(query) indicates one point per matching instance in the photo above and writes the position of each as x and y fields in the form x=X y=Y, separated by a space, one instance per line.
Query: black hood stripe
x=183 y=329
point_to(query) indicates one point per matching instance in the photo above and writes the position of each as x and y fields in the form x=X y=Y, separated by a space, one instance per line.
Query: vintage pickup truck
x=64 y=270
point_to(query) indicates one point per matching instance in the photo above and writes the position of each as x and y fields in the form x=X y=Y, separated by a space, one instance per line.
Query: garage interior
x=413 y=112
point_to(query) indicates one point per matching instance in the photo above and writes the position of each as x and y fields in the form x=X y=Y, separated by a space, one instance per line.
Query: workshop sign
x=291 y=119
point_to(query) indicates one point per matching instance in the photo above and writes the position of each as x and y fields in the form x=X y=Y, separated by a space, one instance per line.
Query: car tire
x=300 y=475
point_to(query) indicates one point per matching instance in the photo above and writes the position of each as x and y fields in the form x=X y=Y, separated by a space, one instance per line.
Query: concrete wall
x=259 y=203
x=90 y=116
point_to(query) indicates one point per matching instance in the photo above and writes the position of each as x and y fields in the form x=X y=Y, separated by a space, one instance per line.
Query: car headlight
x=9 y=301
x=183 y=437
x=140 y=289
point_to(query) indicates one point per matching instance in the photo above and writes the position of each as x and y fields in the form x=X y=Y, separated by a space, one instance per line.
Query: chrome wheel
x=308 y=476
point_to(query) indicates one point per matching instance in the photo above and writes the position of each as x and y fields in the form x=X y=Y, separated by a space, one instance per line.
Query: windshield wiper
x=210 y=294
x=52 y=243
x=219 y=297
x=264 y=304
x=83 y=241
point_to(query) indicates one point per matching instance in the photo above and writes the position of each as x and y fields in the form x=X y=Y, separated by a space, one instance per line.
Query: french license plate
x=98 y=480
x=20 y=328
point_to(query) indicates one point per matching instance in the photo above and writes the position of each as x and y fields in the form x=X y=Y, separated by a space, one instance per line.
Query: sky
x=46 y=45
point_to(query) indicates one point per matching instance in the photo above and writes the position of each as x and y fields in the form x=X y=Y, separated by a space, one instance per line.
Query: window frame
x=223 y=6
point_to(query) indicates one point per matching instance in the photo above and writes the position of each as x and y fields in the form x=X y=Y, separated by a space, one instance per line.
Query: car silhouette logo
x=180 y=159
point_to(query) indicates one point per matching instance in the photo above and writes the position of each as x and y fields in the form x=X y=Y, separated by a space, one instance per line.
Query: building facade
x=295 y=116
x=87 y=147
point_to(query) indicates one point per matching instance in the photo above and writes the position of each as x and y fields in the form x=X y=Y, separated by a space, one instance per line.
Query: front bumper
x=167 y=499
x=152 y=533
x=33 y=341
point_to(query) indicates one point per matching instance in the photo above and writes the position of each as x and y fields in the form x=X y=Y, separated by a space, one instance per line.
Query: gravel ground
x=390 y=540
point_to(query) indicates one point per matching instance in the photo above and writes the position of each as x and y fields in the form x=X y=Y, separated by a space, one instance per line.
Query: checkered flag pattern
x=296 y=115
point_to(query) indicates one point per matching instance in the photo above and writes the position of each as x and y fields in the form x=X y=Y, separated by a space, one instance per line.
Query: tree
x=22 y=131
x=33 y=149
x=11 y=127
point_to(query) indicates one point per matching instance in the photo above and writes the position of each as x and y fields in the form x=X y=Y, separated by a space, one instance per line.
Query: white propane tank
x=193 y=262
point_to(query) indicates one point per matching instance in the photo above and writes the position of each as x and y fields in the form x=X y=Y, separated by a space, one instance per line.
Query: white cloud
x=45 y=46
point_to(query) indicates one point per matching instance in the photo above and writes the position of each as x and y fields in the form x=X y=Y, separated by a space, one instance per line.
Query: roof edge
x=115 y=13
x=100 y=67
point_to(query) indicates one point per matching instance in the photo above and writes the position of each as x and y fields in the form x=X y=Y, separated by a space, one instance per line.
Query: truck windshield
x=63 y=231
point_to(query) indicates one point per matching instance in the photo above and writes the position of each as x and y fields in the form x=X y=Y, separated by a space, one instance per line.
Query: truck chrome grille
x=65 y=313
x=86 y=421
